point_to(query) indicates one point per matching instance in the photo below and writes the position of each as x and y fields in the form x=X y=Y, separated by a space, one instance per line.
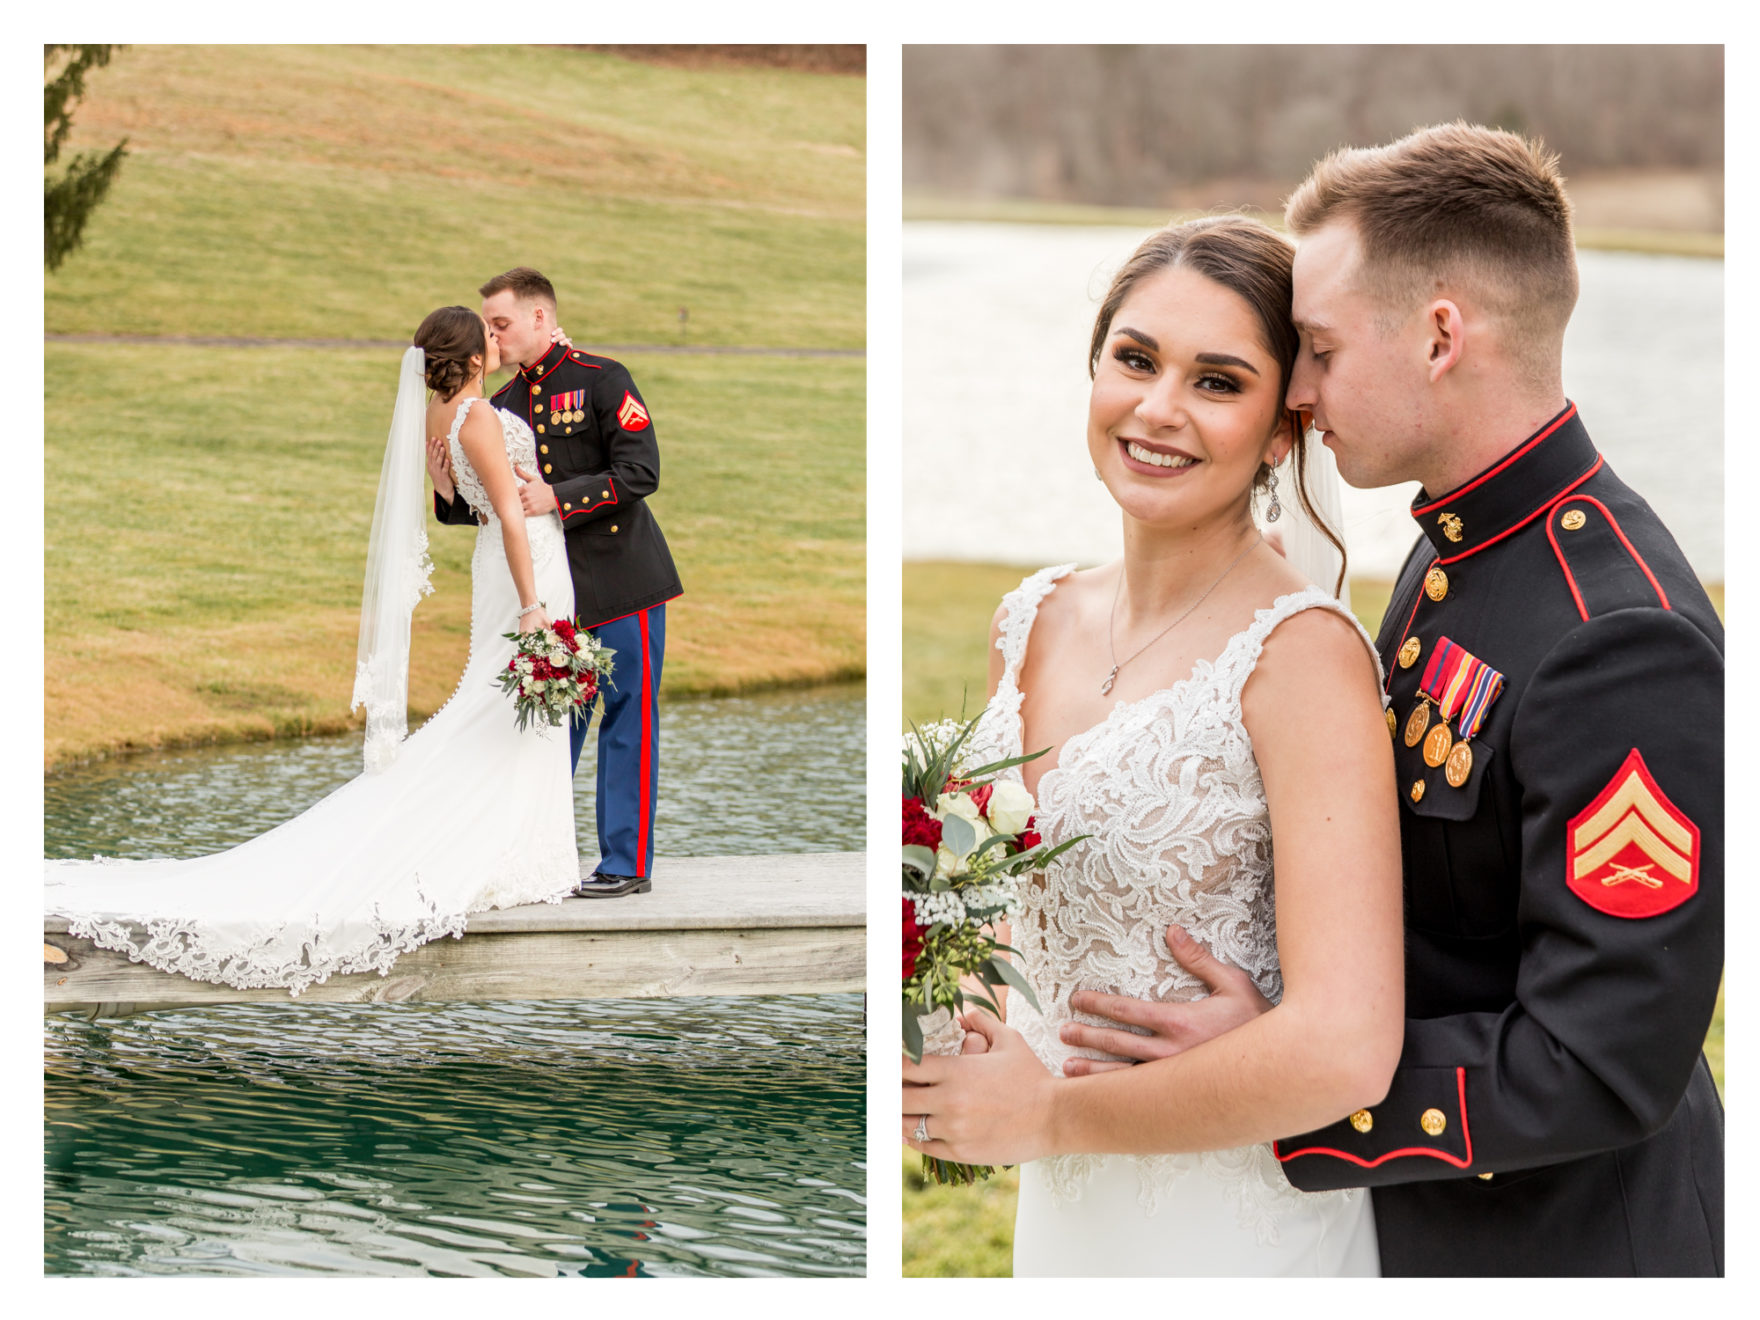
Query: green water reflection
x=617 y=1137
x=660 y=1137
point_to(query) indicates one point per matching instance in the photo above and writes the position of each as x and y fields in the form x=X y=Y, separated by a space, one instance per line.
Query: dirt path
x=241 y=341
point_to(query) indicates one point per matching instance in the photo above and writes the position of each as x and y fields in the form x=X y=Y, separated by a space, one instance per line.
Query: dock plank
x=769 y=925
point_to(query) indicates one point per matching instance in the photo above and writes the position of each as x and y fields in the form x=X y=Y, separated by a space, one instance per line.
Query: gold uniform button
x=1433 y=1122
x=614 y=527
x=541 y=432
x=536 y=389
x=1436 y=584
x=543 y=449
x=1409 y=653
x=604 y=494
x=1362 y=1120
x=1573 y=519
x=566 y=506
x=1418 y=796
x=1392 y=723
x=546 y=469
x=568 y=430
x=1484 y=1177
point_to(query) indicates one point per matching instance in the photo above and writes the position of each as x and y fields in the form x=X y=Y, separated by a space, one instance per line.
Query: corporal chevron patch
x=1632 y=852
x=631 y=416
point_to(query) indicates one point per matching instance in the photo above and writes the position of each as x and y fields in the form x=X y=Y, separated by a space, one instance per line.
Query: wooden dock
x=775 y=925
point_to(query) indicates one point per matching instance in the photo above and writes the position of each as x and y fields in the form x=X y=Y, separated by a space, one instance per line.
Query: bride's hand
x=560 y=336
x=1234 y=1001
x=988 y=1107
x=440 y=467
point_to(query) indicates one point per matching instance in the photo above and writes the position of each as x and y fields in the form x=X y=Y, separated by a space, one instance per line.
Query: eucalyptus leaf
x=919 y=859
x=913 y=1032
x=1014 y=979
x=958 y=835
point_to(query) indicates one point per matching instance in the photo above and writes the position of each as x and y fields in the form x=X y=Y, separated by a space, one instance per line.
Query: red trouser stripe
x=647 y=753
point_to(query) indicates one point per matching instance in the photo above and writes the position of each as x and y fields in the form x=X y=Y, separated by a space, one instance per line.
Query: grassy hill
x=206 y=508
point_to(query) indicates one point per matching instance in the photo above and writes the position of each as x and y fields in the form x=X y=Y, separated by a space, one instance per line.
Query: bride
x=1202 y=701
x=467 y=813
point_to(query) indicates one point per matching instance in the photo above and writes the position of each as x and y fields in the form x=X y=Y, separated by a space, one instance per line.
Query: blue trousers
x=629 y=742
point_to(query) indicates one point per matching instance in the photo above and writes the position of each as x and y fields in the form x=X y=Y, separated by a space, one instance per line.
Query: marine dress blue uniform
x=1552 y=1112
x=598 y=453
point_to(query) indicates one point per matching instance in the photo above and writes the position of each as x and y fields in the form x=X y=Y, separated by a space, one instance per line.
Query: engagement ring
x=922 y=1132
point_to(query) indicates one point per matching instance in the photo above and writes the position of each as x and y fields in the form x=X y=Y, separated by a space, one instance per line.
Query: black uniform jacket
x=1552 y=1112
x=597 y=451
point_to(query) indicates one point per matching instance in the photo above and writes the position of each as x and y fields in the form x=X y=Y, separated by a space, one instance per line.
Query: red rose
x=981 y=798
x=1029 y=837
x=913 y=939
x=920 y=827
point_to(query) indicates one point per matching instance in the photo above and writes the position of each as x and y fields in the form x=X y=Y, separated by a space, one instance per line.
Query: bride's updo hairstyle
x=1255 y=261
x=449 y=337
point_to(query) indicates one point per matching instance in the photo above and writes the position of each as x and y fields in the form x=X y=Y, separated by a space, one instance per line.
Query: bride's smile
x=1186 y=406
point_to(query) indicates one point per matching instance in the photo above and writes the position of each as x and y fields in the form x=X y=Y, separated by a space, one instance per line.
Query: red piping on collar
x=1482 y=478
x=1459 y=1163
x=1510 y=531
x=538 y=380
x=1571 y=578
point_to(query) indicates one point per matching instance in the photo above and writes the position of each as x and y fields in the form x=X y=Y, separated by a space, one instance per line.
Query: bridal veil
x=398 y=569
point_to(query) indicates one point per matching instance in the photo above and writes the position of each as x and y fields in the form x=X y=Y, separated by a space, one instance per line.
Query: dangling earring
x=1274 y=510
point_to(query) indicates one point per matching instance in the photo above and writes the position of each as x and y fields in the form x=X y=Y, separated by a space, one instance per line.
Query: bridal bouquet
x=555 y=670
x=968 y=840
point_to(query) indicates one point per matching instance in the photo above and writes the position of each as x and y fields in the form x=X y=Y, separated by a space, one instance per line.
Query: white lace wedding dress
x=1170 y=794
x=469 y=814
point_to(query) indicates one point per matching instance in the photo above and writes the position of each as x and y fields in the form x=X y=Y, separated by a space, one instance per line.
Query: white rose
x=957 y=804
x=558 y=657
x=1011 y=806
x=524 y=666
x=946 y=864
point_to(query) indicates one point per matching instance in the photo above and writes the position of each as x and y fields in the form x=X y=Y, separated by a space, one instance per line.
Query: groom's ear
x=1445 y=337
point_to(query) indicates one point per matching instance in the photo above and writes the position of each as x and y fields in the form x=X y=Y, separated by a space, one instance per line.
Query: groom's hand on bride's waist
x=1233 y=1001
x=535 y=496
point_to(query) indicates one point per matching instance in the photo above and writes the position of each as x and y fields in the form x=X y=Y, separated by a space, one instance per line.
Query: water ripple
x=649 y=1137
x=619 y=1137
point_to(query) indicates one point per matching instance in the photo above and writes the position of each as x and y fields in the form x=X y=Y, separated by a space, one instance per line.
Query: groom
x=598 y=462
x=1552 y=1112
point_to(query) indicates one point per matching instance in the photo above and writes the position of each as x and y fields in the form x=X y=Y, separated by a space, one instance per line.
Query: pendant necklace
x=1112 y=618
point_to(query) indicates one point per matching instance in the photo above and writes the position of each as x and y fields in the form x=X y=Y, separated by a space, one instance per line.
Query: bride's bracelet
x=537 y=608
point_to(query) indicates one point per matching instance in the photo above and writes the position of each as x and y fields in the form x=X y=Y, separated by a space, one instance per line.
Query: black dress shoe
x=604 y=885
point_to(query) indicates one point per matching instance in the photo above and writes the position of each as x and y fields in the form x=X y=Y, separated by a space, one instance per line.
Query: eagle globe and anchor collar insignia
x=1633 y=853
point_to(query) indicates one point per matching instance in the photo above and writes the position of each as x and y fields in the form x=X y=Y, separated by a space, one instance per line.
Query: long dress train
x=470 y=814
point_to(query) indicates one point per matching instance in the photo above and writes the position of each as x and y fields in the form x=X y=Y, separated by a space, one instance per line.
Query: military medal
x=1480 y=686
x=1444 y=679
x=1392 y=723
x=1418 y=721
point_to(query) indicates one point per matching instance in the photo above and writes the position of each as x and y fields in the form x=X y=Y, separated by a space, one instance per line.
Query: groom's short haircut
x=1457 y=204
x=526 y=284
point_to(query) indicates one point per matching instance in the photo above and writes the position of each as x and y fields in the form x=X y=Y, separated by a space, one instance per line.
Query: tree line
x=1129 y=125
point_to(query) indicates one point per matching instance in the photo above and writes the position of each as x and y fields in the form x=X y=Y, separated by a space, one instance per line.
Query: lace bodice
x=1168 y=791
x=522 y=452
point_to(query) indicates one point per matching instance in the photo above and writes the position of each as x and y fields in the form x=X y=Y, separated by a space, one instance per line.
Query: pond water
x=996 y=326
x=701 y=1136
x=731 y=770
